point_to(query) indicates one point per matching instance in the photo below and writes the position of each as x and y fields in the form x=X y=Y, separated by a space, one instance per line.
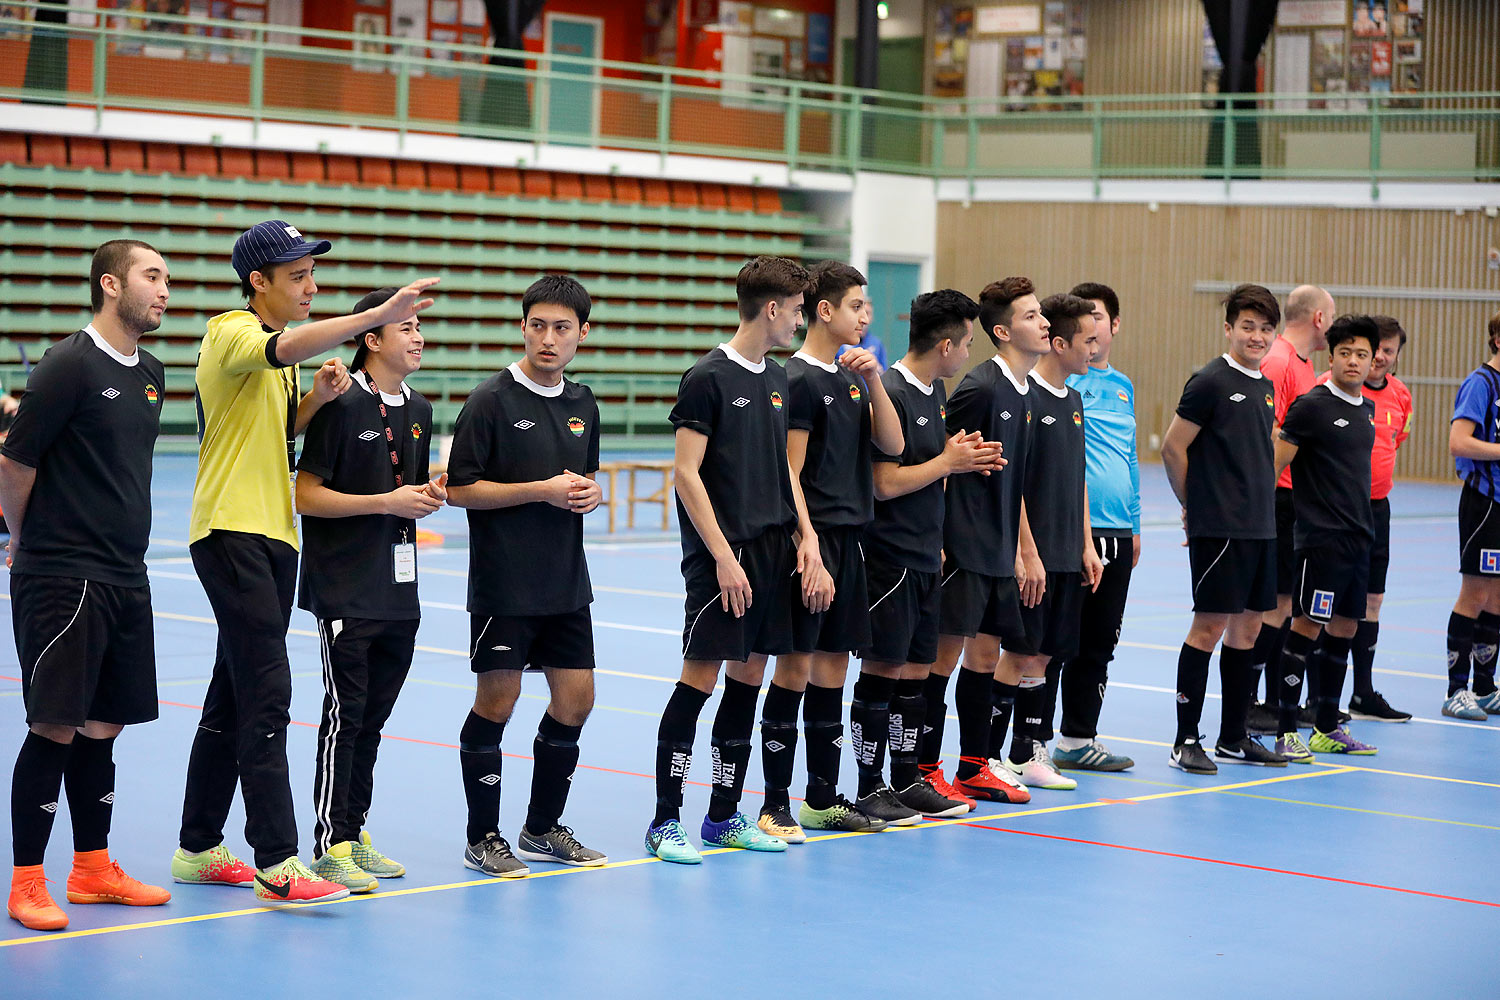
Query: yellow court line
x=634 y=862
x=1409 y=774
x=1368 y=812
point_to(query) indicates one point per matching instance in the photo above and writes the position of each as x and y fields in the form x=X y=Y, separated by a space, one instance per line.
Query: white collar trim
x=1253 y=373
x=128 y=360
x=1020 y=384
x=743 y=361
x=830 y=368
x=536 y=387
x=1352 y=400
x=385 y=397
x=1059 y=393
x=907 y=374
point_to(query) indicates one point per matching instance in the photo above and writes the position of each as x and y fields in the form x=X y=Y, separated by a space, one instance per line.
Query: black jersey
x=984 y=512
x=87 y=425
x=1334 y=438
x=527 y=559
x=908 y=530
x=832 y=404
x=741 y=408
x=1231 y=474
x=347 y=568
x=1055 y=480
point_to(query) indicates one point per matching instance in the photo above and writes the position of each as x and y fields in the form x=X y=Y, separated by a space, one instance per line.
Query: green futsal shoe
x=363 y=853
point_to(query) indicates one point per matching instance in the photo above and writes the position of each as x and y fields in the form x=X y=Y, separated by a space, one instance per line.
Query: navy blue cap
x=272 y=242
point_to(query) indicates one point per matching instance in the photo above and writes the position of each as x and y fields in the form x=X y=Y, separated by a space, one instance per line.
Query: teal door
x=893 y=284
x=572 y=95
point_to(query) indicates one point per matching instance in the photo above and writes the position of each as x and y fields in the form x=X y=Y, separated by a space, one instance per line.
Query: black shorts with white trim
x=975 y=603
x=1232 y=575
x=531 y=642
x=1380 y=552
x=1333 y=578
x=845 y=626
x=1051 y=625
x=711 y=633
x=904 y=610
x=1478 y=533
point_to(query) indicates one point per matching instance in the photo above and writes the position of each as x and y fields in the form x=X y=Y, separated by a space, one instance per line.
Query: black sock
x=971 y=698
x=555 y=757
x=734 y=724
x=1314 y=677
x=823 y=715
x=1294 y=657
x=1363 y=652
x=1004 y=698
x=1486 y=638
x=1192 y=687
x=1460 y=647
x=34 y=792
x=1031 y=706
x=778 y=741
x=869 y=726
x=479 y=758
x=908 y=710
x=1266 y=653
x=935 y=694
x=674 y=749
x=1237 y=682
x=90 y=779
x=1334 y=663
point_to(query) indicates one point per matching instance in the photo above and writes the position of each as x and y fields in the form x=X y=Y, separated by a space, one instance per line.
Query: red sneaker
x=987 y=786
x=97 y=879
x=31 y=903
x=292 y=882
x=934 y=776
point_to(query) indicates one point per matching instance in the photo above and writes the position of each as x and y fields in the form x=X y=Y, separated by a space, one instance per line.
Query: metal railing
x=279 y=73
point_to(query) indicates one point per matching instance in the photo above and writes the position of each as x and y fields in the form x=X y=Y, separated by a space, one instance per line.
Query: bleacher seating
x=658 y=257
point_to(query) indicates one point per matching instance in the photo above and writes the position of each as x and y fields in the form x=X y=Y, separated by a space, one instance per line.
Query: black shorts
x=1286 y=556
x=1333 y=578
x=1380 y=552
x=1051 y=627
x=845 y=626
x=87 y=650
x=975 y=603
x=531 y=642
x=1478 y=534
x=904 y=609
x=1233 y=575
x=711 y=633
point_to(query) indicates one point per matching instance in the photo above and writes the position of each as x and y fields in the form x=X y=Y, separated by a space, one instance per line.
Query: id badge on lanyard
x=404 y=552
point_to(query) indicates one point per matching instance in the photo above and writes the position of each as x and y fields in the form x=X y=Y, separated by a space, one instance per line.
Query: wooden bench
x=614 y=499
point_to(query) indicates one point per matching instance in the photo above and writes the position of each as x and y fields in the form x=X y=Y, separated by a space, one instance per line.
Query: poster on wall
x=1016 y=19
x=1327 y=62
x=1055 y=17
x=1380 y=59
x=1371 y=19
x=1311 y=13
x=1293 y=61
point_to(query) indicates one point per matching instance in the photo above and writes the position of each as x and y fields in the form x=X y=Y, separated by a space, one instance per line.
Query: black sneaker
x=1189 y=756
x=1262 y=719
x=1376 y=709
x=1248 y=751
x=843 y=816
x=557 y=844
x=883 y=804
x=493 y=857
x=921 y=796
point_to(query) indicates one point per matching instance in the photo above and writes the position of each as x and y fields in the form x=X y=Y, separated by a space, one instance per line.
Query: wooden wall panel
x=1153 y=260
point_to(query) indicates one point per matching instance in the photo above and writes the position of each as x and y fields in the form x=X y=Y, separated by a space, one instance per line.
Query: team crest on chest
x=1124 y=396
x=1270 y=402
x=943 y=411
x=854 y=393
x=1077 y=419
x=575 y=425
x=151 y=394
x=416 y=432
x=776 y=400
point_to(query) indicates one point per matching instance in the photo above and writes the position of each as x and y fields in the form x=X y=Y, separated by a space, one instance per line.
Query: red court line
x=1232 y=864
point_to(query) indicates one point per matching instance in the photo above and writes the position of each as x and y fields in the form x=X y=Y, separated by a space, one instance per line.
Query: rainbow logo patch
x=775 y=400
x=151 y=395
x=416 y=432
x=1028 y=416
x=576 y=426
x=1077 y=419
x=854 y=393
x=1124 y=396
x=943 y=412
x=1269 y=402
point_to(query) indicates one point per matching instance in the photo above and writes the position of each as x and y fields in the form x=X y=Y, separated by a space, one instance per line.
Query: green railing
x=276 y=73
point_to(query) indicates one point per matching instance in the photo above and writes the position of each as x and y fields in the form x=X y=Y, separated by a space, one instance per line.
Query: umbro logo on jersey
x=1238 y=397
x=369 y=435
x=111 y=393
x=524 y=425
x=827 y=400
x=1341 y=422
x=921 y=421
x=1049 y=419
x=1004 y=414
x=501 y=649
x=742 y=401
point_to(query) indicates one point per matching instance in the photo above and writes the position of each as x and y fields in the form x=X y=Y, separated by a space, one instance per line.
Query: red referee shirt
x=1291 y=375
x=1393 y=412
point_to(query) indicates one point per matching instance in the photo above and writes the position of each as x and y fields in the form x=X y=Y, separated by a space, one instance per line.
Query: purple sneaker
x=1339 y=741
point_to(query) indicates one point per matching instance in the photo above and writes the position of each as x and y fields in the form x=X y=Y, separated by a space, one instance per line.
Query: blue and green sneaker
x=669 y=842
x=739 y=831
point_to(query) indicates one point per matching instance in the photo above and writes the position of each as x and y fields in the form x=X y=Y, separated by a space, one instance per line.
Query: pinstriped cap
x=272 y=242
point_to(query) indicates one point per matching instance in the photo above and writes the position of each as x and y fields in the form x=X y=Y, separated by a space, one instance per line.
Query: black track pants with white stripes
x=365 y=663
x=1084 y=677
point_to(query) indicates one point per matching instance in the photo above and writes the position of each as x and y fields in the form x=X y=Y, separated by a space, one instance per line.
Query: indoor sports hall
x=1171 y=149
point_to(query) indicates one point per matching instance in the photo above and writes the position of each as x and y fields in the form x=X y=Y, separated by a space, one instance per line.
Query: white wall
x=894 y=218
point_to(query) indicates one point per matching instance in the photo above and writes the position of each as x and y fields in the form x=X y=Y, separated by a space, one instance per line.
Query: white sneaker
x=1038 y=772
x=1463 y=705
x=1002 y=772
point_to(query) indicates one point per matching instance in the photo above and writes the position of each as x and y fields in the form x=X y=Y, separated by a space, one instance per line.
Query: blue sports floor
x=1366 y=879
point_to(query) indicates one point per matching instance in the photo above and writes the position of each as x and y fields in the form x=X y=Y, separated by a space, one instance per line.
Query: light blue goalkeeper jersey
x=1112 y=472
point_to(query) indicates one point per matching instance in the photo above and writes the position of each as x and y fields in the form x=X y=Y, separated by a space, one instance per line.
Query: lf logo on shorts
x=1489 y=560
x=1322 y=604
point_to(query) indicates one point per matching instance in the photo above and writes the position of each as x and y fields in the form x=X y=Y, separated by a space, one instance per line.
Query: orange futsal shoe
x=97 y=879
x=31 y=903
x=987 y=786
